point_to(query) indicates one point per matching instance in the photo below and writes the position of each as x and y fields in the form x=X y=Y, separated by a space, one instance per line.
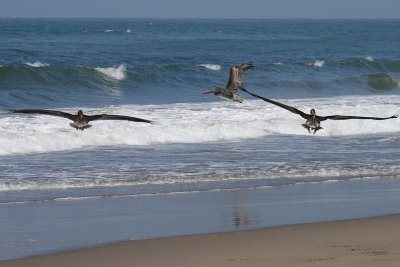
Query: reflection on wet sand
x=240 y=214
x=240 y=217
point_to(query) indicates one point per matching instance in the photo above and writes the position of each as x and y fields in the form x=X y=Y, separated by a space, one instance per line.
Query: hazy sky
x=202 y=8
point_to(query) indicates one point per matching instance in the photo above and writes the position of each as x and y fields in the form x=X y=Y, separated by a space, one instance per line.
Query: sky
x=201 y=8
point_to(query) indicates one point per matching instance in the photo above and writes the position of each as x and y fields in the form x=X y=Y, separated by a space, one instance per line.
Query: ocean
x=157 y=69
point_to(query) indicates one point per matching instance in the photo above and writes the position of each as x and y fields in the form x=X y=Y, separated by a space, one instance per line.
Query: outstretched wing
x=115 y=117
x=236 y=74
x=291 y=109
x=46 y=112
x=340 y=117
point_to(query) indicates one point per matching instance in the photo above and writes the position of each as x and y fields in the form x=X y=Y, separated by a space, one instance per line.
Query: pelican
x=235 y=81
x=80 y=121
x=313 y=121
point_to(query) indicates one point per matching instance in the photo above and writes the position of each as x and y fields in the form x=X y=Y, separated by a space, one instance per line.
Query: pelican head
x=208 y=92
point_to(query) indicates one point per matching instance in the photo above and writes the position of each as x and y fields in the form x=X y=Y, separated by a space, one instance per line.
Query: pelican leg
x=73 y=126
x=307 y=127
x=317 y=128
x=80 y=128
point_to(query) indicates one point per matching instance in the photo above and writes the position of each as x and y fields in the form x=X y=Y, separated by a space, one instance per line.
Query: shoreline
x=356 y=242
x=51 y=227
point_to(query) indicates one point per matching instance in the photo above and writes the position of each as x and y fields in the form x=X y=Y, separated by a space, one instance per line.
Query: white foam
x=37 y=64
x=396 y=79
x=129 y=31
x=115 y=73
x=334 y=174
x=369 y=58
x=317 y=63
x=195 y=123
x=109 y=30
x=211 y=66
x=278 y=64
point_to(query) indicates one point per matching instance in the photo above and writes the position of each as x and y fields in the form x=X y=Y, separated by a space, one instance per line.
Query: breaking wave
x=317 y=63
x=37 y=64
x=369 y=58
x=197 y=123
x=383 y=81
x=116 y=73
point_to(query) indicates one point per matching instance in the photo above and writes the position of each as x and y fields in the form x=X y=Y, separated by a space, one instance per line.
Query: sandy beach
x=360 y=242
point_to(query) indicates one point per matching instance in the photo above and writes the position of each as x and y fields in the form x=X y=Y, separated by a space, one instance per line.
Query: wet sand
x=359 y=242
x=40 y=228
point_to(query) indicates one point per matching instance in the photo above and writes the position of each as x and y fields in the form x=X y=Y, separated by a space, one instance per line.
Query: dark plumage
x=235 y=82
x=313 y=120
x=80 y=120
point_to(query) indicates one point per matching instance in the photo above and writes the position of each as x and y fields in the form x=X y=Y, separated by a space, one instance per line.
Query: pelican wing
x=290 y=108
x=340 y=117
x=46 y=112
x=115 y=117
x=236 y=74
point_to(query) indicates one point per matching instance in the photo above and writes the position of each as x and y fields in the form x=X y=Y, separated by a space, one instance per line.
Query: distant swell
x=31 y=84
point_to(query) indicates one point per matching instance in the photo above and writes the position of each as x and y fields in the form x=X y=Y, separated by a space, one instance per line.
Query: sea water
x=157 y=69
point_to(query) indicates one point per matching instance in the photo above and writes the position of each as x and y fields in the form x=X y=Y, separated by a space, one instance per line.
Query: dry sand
x=361 y=242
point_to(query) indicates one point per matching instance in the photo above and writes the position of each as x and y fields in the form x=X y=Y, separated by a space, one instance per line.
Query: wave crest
x=369 y=58
x=37 y=64
x=317 y=63
x=211 y=66
x=115 y=73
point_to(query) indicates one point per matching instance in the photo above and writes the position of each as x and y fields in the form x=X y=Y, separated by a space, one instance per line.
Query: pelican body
x=224 y=93
x=312 y=123
x=235 y=81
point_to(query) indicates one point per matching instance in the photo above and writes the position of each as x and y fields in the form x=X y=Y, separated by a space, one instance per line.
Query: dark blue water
x=162 y=58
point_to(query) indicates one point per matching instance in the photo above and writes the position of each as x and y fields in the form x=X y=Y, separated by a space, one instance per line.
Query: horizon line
x=202 y=18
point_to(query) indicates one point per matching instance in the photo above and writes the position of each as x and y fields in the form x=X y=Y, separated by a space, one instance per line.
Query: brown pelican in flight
x=80 y=120
x=312 y=119
x=235 y=82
